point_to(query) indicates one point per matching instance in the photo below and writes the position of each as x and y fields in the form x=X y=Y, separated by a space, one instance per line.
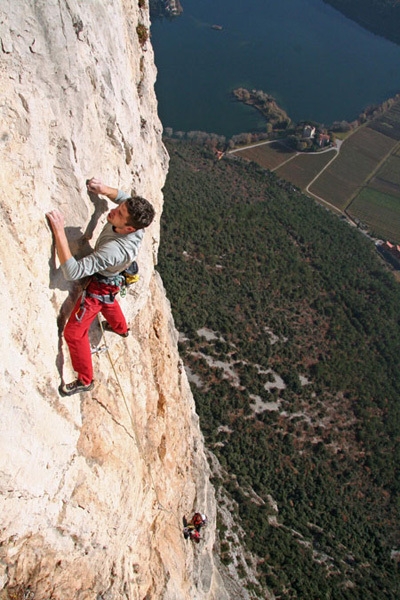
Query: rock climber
x=192 y=534
x=198 y=521
x=192 y=528
x=115 y=250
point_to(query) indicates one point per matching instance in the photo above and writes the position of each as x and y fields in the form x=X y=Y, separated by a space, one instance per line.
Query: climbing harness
x=105 y=298
x=117 y=280
x=122 y=281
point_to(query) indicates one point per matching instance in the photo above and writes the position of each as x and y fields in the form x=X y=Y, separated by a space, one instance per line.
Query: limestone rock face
x=93 y=487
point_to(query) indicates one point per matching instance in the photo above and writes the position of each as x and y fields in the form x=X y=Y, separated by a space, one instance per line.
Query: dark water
x=316 y=63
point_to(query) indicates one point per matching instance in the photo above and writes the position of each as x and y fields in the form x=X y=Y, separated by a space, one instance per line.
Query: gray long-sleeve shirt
x=113 y=252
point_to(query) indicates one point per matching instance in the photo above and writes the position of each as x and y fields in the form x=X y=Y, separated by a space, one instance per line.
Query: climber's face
x=118 y=217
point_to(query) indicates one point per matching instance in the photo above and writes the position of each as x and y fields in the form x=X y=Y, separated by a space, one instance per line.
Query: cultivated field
x=268 y=156
x=379 y=211
x=302 y=169
x=378 y=204
x=389 y=174
x=359 y=156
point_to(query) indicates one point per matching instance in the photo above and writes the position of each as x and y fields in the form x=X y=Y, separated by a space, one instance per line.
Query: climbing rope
x=136 y=437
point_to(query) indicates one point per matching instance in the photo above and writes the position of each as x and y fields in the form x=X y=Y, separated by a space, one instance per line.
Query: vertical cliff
x=93 y=488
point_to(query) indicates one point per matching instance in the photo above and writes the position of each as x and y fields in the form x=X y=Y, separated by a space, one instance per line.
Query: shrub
x=143 y=34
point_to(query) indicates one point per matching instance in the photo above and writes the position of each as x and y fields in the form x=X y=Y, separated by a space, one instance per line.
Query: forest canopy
x=290 y=330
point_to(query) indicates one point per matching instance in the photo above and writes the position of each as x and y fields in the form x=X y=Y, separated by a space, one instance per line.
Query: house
x=391 y=252
x=392 y=248
x=323 y=140
x=308 y=132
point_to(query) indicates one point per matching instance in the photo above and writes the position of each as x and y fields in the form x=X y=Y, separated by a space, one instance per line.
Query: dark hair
x=141 y=212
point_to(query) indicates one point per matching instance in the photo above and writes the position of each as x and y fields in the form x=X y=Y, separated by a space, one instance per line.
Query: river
x=317 y=64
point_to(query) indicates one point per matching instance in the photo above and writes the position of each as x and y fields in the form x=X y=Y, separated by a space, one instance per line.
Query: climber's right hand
x=96 y=186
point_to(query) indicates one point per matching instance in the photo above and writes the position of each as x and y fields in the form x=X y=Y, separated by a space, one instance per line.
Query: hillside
x=290 y=335
x=379 y=16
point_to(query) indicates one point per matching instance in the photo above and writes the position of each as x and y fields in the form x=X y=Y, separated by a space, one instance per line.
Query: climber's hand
x=56 y=219
x=96 y=186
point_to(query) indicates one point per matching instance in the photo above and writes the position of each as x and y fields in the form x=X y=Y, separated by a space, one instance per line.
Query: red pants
x=76 y=332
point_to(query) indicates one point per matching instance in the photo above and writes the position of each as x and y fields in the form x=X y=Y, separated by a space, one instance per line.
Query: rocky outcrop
x=93 y=488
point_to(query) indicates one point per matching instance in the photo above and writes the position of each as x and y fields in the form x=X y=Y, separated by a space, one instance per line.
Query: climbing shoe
x=75 y=387
x=107 y=327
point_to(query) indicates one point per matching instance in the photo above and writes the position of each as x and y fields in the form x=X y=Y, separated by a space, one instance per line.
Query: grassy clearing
x=268 y=156
x=380 y=211
x=302 y=169
x=359 y=156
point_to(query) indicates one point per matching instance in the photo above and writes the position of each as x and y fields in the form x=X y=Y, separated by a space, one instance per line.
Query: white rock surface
x=93 y=488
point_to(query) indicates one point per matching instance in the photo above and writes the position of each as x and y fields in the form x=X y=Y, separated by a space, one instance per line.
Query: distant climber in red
x=191 y=529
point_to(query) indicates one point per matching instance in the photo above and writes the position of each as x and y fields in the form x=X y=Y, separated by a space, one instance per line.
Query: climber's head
x=141 y=212
x=132 y=214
